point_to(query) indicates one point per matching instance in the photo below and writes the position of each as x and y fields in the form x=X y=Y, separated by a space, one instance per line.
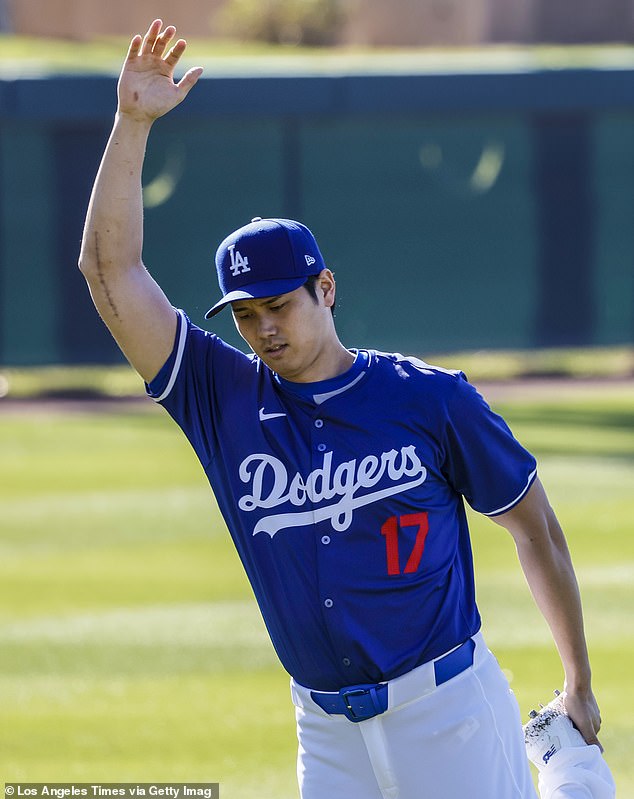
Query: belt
x=361 y=702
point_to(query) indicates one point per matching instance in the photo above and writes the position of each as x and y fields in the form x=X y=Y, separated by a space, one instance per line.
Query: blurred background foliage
x=296 y=22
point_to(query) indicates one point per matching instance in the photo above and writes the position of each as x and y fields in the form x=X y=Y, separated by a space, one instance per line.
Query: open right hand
x=146 y=87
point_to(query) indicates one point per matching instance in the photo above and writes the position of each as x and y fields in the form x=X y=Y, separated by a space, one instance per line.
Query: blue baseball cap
x=265 y=258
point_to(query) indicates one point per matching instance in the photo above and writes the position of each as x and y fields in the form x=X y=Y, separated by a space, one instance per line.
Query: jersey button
x=325 y=539
x=322 y=447
x=328 y=603
x=346 y=661
x=319 y=423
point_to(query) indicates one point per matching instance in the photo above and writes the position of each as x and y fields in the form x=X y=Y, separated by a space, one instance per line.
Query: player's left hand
x=584 y=712
x=146 y=88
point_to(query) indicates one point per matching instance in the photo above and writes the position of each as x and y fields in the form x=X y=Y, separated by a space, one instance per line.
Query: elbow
x=88 y=266
x=83 y=264
x=91 y=264
x=92 y=254
x=87 y=263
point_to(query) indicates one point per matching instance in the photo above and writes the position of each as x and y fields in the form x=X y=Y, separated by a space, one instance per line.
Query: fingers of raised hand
x=152 y=34
x=143 y=44
x=155 y=42
x=135 y=46
x=162 y=41
x=176 y=52
x=189 y=79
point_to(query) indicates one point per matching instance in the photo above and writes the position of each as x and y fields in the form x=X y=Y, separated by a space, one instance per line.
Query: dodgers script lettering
x=272 y=486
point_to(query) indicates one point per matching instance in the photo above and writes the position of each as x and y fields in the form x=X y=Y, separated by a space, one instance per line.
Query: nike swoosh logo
x=264 y=417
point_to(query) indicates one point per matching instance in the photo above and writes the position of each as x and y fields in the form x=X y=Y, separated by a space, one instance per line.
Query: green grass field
x=130 y=645
x=22 y=56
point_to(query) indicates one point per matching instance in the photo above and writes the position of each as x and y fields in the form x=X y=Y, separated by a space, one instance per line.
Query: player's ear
x=327 y=287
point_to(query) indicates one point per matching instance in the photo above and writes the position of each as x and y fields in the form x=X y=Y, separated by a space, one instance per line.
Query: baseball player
x=342 y=474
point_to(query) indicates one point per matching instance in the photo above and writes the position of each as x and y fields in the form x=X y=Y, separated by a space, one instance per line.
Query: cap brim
x=256 y=291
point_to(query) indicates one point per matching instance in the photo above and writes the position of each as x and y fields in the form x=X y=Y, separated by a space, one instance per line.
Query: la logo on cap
x=238 y=263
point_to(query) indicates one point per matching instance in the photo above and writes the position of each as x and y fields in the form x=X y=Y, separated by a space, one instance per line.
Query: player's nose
x=266 y=326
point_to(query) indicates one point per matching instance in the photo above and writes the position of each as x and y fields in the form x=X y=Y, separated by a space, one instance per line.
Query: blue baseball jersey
x=345 y=499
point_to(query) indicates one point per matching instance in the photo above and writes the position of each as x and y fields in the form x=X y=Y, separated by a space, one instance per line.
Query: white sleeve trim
x=531 y=477
x=182 y=336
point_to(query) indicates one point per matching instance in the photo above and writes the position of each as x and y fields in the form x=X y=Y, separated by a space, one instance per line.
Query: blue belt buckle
x=361 y=702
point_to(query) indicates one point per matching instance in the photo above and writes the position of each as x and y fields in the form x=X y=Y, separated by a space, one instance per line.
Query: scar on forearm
x=102 y=281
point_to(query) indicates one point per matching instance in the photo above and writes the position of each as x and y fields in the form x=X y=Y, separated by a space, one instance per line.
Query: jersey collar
x=323 y=390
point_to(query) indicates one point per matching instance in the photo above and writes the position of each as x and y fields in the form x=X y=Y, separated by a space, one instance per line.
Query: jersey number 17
x=391 y=529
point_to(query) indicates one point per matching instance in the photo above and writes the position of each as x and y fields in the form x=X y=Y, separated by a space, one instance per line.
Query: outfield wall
x=458 y=211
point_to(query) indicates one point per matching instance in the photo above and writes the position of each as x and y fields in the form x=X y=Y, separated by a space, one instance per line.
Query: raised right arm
x=130 y=302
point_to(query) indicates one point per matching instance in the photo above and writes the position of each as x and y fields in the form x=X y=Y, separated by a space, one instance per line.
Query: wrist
x=579 y=683
x=133 y=122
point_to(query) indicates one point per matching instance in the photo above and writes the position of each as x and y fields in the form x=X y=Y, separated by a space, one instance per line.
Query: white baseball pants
x=461 y=739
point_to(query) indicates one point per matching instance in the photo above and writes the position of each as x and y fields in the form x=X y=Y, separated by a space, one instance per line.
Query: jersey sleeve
x=483 y=460
x=196 y=382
